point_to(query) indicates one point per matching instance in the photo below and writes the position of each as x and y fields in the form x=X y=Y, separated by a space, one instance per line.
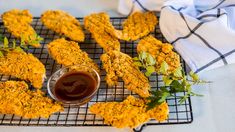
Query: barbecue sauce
x=74 y=86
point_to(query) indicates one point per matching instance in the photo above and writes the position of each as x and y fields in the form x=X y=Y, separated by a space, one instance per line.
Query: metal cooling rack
x=80 y=116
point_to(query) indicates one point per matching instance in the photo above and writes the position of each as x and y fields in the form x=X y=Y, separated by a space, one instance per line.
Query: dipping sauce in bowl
x=73 y=85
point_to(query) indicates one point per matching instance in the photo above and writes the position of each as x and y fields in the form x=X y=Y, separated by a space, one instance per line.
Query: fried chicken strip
x=16 y=98
x=102 y=31
x=63 y=23
x=161 y=52
x=118 y=64
x=138 y=25
x=18 y=23
x=129 y=113
x=68 y=53
x=24 y=66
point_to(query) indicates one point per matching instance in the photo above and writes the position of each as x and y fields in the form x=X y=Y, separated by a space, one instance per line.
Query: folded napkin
x=202 y=31
x=127 y=7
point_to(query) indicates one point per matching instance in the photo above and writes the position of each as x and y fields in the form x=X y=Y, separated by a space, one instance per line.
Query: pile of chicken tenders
x=66 y=51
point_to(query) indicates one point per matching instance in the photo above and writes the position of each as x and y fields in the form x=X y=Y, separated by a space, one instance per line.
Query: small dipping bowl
x=74 y=85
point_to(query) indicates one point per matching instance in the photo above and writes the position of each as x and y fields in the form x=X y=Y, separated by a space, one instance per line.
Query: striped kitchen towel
x=202 y=31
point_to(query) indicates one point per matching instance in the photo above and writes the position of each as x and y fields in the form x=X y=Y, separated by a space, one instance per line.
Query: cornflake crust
x=138 y=25
x=18 y=23
x=68 y=53
x=24 y=66
x=118 y=64
x=129 y=113
x=135 y=27
x=16 y=98
x=102 y=31
x=161 y=52
x=63 y=23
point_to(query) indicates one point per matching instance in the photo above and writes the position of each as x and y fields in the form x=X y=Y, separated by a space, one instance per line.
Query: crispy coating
x=16 y=98
x=63 y=23
x=118 y=64
x=24 y=66
x=161 y=52
x=68 y=53
x=18 y=23
x=138 y=25
x=129 y=113
x=102 y=31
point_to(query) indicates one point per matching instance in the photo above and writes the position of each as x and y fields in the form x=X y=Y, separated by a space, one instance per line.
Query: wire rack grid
x=80 y=116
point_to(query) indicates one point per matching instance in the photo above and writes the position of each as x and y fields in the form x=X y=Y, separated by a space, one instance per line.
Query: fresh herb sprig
x=30 y=40
x=173 y=82
x=146 y=61
x=5 y=47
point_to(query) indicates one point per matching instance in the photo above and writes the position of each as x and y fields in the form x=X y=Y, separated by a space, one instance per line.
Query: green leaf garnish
x=193 y=76
x=5 y=42
x=137 y=63
x=164 y=67
x=150 y=69
x=6 y=48
x=19 y=49
x=143 y=55
x=150 y=60
x=136 y=59
x=167 y=80
x=148 y=74
x=146 y=61
x=30 y=40
x=178 y=72
x=14 y=44
x=173 y=82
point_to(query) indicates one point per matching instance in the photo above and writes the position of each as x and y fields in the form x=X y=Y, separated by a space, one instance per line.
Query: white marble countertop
x=215 y=112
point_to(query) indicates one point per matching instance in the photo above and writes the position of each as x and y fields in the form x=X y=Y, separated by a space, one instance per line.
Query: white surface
x=215 y=112
x=78 y=8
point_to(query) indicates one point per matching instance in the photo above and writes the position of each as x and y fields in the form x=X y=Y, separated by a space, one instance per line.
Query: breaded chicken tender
x=118 y=64
x=161 y=52
x=102 y=31
x=129 y=113
x=138 y=25
x=18 y=23
x=16 y=98
x=24 y=66
x=63 y=23
x=68 y=53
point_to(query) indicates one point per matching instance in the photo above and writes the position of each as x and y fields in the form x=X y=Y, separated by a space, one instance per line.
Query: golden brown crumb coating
x=68 y=53
x=118 y=64
x=102 y=31
x=16 y=98
x=138 y=25
x=63 y=23
x=129 y=113
x=18 y=23
x=161 y=52
x=24 y=66
x=135 y=27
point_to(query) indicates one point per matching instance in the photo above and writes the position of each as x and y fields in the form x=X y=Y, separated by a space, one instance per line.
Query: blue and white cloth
x=202 y=31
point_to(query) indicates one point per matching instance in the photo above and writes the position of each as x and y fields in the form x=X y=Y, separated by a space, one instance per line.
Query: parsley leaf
x=174 y=82
x=5 y=42
x=164 y=67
